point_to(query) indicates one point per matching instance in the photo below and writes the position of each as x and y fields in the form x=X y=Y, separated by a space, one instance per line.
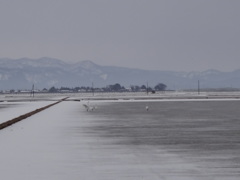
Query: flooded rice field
x=205 y=134
x=124 y=140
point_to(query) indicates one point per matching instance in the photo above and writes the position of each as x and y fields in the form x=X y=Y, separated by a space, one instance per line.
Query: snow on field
x=10 y=110
x=27 y=97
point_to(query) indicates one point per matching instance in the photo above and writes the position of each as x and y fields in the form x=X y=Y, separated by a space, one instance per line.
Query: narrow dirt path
x=24 y=116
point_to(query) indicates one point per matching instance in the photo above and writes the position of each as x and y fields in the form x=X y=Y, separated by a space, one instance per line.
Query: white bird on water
x=147 y=108
x=88 y=107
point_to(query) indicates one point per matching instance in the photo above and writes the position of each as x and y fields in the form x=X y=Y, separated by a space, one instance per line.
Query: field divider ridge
x=24 y=116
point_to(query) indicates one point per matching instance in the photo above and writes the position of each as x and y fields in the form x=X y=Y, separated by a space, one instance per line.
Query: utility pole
x=147 y=87
x=92 y=89
x=198 y=87
x=32 y=90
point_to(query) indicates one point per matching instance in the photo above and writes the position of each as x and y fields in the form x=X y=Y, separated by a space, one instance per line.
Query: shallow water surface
x=204 y=133
x=122 y=141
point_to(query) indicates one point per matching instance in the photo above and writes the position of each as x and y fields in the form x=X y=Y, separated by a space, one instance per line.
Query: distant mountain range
x=47 y=72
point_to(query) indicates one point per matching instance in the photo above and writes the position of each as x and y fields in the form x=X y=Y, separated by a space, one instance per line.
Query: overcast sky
x=181 y=35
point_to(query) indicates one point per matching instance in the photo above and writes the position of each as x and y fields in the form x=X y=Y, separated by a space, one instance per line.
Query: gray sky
x=148 y=34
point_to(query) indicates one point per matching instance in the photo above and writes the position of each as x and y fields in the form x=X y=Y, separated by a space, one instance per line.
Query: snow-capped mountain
x=47 y=72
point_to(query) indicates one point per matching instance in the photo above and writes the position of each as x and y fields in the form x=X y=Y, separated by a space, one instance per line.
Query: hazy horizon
x=186 y=35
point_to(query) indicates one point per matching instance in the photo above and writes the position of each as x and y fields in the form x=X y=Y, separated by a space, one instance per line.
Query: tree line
x=110 y=88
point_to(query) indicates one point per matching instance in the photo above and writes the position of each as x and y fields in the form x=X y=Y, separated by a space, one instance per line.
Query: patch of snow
x=4 y=77
x=104 y=76
x=10 y=110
